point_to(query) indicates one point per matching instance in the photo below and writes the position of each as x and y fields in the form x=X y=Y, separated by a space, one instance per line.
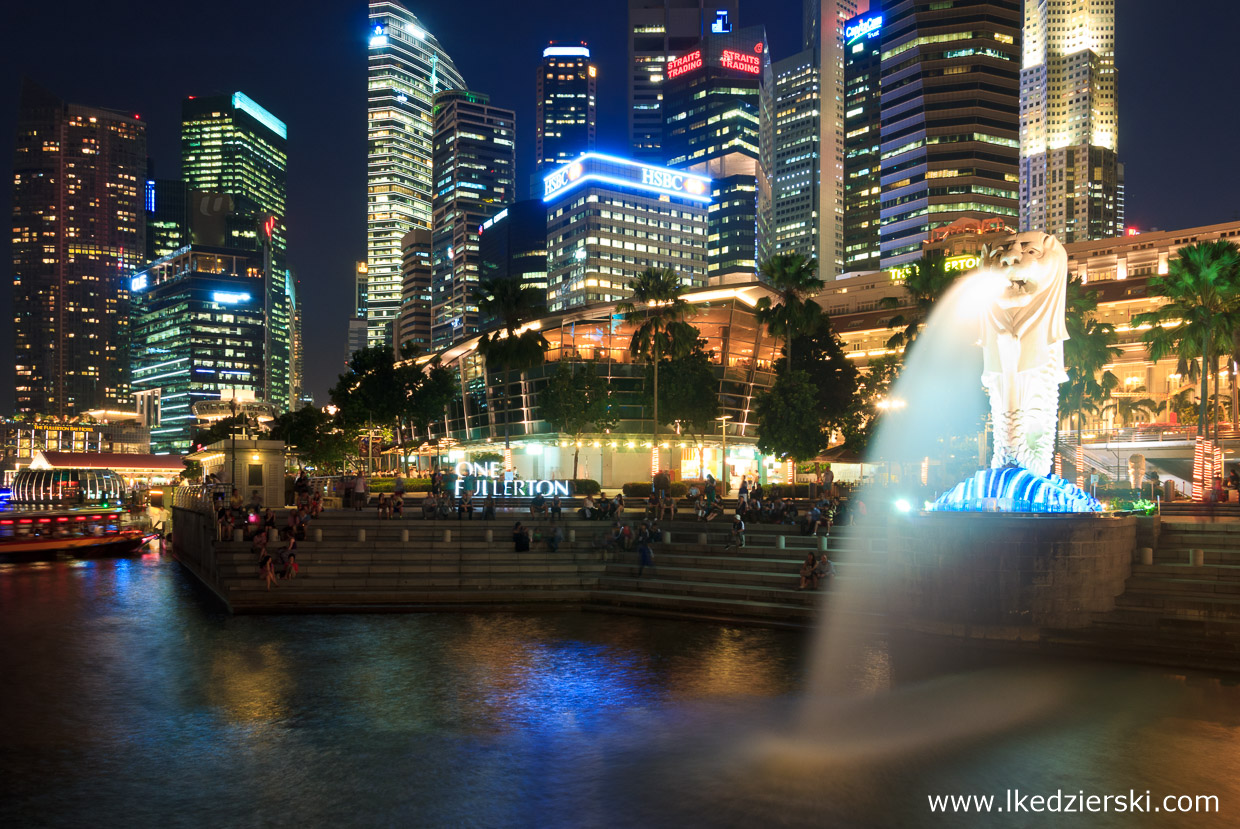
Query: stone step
x=1154 y=619
x=670 y=586
x=379 y=599
x=685 y=604
x=1183 y=606
x=515 y=583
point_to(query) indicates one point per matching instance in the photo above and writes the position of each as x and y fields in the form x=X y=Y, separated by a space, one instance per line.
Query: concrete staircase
x=341 y=573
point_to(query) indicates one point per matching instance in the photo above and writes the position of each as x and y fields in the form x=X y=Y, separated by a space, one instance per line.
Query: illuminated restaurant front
x=741 y=352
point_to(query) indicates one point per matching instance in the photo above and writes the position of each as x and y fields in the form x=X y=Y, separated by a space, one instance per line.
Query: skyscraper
x=414 y=323
x=475 y=176
x=513 y=245
x=167 y=216
x=79 y=232
x=794 y=172
x=565 y=116
x=862 y=127
x=712 y=105
x=824 y=34
x=231 y=145
x=659 y=29
x=1071 y=181
x=950 y=120
x=407 y=68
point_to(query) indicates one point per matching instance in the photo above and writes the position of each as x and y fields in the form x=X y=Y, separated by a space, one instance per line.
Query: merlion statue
x=1022 y=345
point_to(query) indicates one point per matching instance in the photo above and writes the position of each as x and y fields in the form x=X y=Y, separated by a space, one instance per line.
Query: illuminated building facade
x=414 y=323
x=20 y=440
x=565 y=113
x=406 y=69
x=231 y=145
x=794 y=153
x=713 y=100
x=475 y=177
x=950 y=120
x=166 y=203
x=1071 y=181
x=862 y=127
x=610 y=218
x=741 y=357
x=513 y=245
x=659 y=29
x=199 y=329
x=824 y=35
x=78 y=233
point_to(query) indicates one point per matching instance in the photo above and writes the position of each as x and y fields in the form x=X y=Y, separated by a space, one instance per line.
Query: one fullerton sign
x=490 y=480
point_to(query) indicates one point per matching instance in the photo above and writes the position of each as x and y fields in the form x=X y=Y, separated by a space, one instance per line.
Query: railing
x=1157 y=433
x=200 y=497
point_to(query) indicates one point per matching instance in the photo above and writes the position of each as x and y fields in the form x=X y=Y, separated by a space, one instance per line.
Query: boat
x=74 y=533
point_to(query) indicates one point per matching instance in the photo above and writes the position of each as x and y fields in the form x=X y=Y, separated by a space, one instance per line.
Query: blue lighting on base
x=1013 y=489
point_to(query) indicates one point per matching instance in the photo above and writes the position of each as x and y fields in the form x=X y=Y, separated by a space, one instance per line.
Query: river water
x=127 y=698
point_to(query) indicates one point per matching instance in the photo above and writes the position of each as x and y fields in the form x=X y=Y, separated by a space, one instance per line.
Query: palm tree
x=795 y=278
x=1087 y=351
x=660 y=313
x=1129 y=409
x=508 y=348
x=1202 y=309
x=927 y=281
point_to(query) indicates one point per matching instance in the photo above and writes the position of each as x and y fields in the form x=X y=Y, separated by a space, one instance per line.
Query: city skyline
x=326 y=211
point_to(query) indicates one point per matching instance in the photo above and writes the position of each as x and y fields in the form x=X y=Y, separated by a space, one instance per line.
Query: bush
x=583 y=486
x=389 y=485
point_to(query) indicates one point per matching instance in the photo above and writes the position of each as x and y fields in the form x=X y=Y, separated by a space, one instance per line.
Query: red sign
x=729 y=59
x=684 y=63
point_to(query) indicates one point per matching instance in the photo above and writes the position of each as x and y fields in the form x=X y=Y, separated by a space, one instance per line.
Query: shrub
x=389 y=484
x=641 y=489
x=583 y=486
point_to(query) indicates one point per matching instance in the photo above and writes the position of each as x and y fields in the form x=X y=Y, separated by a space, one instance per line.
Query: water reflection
x=127 y=698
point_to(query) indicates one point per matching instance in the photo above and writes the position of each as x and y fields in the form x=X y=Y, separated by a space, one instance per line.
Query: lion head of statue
x=1034 y=264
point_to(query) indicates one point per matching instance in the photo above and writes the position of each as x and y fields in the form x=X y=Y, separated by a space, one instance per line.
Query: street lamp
x=723 y=434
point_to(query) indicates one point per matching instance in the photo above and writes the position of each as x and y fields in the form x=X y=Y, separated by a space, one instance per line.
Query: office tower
x=646 y=217
x=824 y=36
x=231 y=145
x=406 y=69
x=659 y=29
x=565 y=117
x=199 y=329
x=167 y=216
x=414 y=323
x=475 y=176
x=1071 y=181
x=355 y=335
x=78 y=233
x=950 y=120
x=712 y=106
x=794 y=171
x=862 y=128
x=513 y=245
x=297 y=394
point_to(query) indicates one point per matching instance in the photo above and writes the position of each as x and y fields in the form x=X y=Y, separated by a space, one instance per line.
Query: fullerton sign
x=489 y=481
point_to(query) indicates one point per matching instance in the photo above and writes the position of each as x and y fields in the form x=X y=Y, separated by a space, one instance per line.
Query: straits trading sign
x=625 y=173
x=488 y=479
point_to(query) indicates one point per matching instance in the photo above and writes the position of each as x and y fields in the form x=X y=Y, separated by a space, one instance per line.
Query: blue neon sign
x=866 y=27
x=229 y=297
x=722 y=24
x=625 y=173
x=247 y=104
x=138 y=284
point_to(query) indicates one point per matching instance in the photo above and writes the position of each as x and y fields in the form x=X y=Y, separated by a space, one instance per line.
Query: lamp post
x=723 y=435
x=232 y=433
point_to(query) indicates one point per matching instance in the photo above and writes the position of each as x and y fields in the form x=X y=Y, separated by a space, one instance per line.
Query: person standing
x=828 y=481
x=646 y=552
x=520 y=538
x=359 y=492
x=399 y=487
x=554 y=536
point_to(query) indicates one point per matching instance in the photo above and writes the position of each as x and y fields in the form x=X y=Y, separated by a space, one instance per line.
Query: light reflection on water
x=126 y=698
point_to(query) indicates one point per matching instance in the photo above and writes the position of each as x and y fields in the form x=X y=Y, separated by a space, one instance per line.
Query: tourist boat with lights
x=27 y=535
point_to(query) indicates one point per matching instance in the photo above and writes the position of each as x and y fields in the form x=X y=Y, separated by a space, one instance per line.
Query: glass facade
x=862 y=128
x=794 y=174
x=950 y=119
x=475 y=176
x=198 y=329
x=712 y=107
x=565 y=116
x=513 y=245
x=406 y=69
x=67 y=487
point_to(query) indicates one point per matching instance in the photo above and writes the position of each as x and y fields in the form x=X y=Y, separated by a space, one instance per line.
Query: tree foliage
x=795 y=278
x=577 y=400
x=688 y=391
x=789 y=424
x=1201 y=315
x=314 y=436
x=1090 y=347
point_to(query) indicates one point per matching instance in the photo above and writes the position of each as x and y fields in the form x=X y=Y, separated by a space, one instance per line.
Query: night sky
x=306 y=63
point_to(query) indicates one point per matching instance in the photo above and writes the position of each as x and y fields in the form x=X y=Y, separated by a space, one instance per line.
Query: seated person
x=385 y=508
x=653 y=506
x=811 y=522
x=488 y=508
x=617 y=505
x=587 y=510
x=667 y=509
x=520 y=538
x=538 y=504
x=466 y=505
x=430 y=506
x=556 y=508
x=398 y=505
x=445 y=505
